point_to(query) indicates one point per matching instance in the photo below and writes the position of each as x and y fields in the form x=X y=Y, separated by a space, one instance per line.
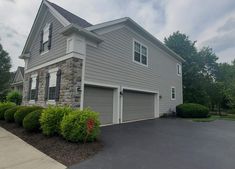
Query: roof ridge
x=72 y=18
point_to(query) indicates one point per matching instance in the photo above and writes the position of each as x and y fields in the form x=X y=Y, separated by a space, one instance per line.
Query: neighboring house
x=116 y=68
x=17 y=80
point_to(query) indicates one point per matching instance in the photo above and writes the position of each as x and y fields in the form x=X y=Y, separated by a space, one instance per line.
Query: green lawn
x=230 y=117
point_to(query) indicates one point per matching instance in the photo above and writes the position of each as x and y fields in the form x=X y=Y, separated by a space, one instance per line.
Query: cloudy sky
x=210 y=22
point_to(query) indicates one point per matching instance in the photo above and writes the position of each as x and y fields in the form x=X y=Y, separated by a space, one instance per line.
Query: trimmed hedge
x=15 y=97
x=9 y=114
x=51 y=117
x=80 y=126
x=23 y=111
x=4 y=107
x=192 y=110
x=31 y=121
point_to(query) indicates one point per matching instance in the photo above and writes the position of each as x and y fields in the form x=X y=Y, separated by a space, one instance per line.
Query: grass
x=230 y=117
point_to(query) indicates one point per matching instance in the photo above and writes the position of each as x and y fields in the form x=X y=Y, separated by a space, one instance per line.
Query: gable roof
x=130 y=22
x=70 y=16
x=18 y=75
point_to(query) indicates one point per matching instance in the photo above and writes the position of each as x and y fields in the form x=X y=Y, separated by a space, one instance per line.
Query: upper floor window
x=179 y=69
x=140 y=53
x=46 y=35
x=172 y=93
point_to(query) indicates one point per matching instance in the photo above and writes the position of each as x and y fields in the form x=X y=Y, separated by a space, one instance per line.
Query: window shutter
x=37 y=83
x=47 y=86
x=29 y=88
x=41 y=42
x=58 y=80
x=50 y=37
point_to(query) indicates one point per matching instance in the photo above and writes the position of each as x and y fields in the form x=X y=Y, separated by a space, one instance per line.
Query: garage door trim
x=156 y=103
x=116 y=100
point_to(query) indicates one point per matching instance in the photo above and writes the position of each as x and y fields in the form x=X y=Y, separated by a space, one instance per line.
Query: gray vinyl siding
x=112 y=63
x=58 y=45
x=137 y=105
x=100 y=100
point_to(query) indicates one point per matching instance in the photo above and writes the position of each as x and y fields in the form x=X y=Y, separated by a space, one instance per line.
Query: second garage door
x=137 y=105
x=100 y=99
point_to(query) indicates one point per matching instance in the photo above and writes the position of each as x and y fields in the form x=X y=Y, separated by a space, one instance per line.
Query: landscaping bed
x=56 y=147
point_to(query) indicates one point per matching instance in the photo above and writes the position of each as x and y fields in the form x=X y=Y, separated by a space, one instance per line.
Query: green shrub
x=75 y=126
x=192 y=110
x=4 y=107
x=23 y=111
x=9 y=114
x=15 y=97
x=51 y=118
x=31 y=121
x=231 y=111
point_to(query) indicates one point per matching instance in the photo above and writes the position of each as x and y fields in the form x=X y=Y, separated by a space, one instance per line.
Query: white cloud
x=201 y=19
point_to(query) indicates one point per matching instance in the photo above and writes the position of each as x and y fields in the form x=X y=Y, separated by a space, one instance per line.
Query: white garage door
x=137 y=105
x=100 y=99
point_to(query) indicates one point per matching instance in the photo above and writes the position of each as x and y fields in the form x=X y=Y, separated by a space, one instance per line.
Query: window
x=172 y=93
x=179 y=69
x=140 y=53
x=33 y=88
x=45 y=36
x=52 y=86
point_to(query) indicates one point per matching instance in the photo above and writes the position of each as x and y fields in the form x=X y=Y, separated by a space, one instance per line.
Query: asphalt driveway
x=166 y=144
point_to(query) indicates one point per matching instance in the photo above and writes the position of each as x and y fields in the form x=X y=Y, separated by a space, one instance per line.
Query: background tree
x=199 y=68
x=5 y=65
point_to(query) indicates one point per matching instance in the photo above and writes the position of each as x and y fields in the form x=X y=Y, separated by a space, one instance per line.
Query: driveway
x=166 y=144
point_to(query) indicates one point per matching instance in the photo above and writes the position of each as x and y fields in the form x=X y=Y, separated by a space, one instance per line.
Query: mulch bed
x=56 y=147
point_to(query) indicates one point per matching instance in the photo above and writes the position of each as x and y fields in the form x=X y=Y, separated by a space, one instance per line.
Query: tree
x=5 y=65
x=199 y=68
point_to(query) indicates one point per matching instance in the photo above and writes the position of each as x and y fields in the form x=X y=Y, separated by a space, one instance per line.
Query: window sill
x=51 y=102
x=32 y=102
x=44 y=52
x=139 y=63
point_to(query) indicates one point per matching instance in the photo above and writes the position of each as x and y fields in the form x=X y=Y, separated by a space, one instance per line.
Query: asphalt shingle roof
x=70 y=17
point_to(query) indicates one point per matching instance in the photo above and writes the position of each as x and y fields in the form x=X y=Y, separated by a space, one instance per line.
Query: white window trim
x=32 y=76
x=133 y=52
x=44 y=52
x=179 y=74
x=173 y=87
x=53 y=70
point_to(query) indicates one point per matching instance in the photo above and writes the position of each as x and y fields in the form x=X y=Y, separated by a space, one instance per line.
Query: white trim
x=133 y=53
x=173 y=87
x=139 y=90
x=180 y=67
x=32 y=102
x=51 y=102
x=44 y=52
x=67 y=56
x=53 y=70
x=34 y=75
x=116 y=98
x=56 y=14
x=82 y=83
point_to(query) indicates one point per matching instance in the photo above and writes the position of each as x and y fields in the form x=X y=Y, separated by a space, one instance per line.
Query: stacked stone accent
x=71 y=76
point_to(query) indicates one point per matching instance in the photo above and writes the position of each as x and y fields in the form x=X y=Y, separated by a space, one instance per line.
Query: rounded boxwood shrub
x=31 y=121
x=192 y=110
x=4 y=107
x=15 y=97
x=23 y=111
x=80 y=126
x=9 y=114
x=51 y=117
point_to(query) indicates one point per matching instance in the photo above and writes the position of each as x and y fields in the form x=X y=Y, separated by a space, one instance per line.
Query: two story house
x=116 y=68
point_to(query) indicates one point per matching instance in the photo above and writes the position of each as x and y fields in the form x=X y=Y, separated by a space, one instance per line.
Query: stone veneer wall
x=71 y=76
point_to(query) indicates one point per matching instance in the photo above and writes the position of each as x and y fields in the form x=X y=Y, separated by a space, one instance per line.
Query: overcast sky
x=210 y=22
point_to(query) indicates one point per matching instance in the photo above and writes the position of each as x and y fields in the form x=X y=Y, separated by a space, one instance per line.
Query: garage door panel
x=100 y=100
x=137 y=105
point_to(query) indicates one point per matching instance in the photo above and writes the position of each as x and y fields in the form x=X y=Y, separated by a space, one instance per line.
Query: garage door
x=137 y=105
x=100 y=99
